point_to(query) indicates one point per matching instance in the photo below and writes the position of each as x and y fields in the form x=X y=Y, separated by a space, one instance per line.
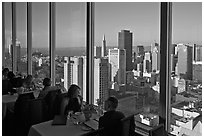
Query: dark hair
x=114 y=101
x=11 y=75
x=72 y=90
x=5 y=71
x=46 y=82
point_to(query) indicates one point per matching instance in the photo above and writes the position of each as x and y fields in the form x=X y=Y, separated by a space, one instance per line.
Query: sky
x=141 y=18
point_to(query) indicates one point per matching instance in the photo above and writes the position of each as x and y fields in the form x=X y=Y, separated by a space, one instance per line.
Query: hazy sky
x=142 y=19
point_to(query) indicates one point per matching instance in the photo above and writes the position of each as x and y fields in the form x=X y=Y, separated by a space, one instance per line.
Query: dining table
x=71 y=128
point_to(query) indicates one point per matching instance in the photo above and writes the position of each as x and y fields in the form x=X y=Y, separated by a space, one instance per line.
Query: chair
x=21 y=114
x=6 y=87
x=36 y=111
x=127 y=125
x=52 y=103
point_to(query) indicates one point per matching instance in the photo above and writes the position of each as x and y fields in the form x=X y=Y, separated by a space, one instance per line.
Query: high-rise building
x=140 y=50
x=73 y=72
x=67 y=72
x=155 y=58
x=117 y=59
x=185 y=61
x=197 y=71
x=197 y=53
x=147 y=63
x=101 y=70
x=17 y=53
x=97 y=51
x=103 y=51
x=125 y=42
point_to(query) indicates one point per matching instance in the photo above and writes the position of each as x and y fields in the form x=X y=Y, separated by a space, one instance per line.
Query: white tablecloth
x=47 y=129
x=8 y=102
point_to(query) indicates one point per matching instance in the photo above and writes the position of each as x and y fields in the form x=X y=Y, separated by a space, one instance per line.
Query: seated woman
x=72 y=101
x=28 y=83
x=47 y=88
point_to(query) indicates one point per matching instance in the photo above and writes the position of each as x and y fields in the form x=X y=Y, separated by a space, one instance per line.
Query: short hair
x=11 y=75
x=46 y=82
x=113 y=101
x=5 y=71
x=72 y=90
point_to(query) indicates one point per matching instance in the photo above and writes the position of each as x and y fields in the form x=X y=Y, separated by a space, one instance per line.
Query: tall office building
x=125 y=42
x=101 y=69
x=140 y=50
x=147 y=63
x=17 y=53
x=103 y=51
x=197 y=71
x=185 y=61
x=73 y=72
x=155 y=58
x=117 y=59
x=67 y=72
x=97 y=51
x=197 y=53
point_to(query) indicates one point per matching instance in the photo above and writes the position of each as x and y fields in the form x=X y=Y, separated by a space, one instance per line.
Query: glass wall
x=70 y=45
x=126 y=62
x=40 y=48
x=186 y=70
x=8 y=57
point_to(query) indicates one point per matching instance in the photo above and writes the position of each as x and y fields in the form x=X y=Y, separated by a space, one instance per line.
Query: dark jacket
x=110 y=121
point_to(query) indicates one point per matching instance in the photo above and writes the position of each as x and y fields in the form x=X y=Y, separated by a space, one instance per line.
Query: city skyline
x=145 y=26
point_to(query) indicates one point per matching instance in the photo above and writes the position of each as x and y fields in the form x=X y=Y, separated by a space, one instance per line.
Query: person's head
x=11 y=75
x=47 y=82
x=111 y=103
x=29 y=78
x=74 y=91
x=5 y=72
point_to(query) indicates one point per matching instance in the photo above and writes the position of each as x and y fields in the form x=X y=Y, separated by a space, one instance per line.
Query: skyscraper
x=147 y=62
x=103 y=51
x=185 y=61
x=101 y=69
x=73 y=72
x=97 y=51
x=155 y=58
x=125 y=42
x=15 y=52
x=117 y=59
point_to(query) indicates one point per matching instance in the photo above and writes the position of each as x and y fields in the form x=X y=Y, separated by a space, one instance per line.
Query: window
x=70 y=45
x=127 y=48
x=186 y=85
x=40 y=48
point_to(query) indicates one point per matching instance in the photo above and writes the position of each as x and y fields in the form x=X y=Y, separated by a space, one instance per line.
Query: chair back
x=21 y=113
x=51 y=101
x=36 y=111
x=127 y=125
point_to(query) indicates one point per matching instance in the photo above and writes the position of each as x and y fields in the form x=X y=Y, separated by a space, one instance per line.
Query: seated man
x=110 y=121
x=47 y=88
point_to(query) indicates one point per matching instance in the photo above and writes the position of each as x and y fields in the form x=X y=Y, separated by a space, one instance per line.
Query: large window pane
x=186 y=87
x=40 y=50
x=70 y=45
x=127 y=55
x=8 y=57
x=21 y=43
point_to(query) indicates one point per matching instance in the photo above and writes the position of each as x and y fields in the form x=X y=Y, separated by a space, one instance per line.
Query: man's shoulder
x=118 y=113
